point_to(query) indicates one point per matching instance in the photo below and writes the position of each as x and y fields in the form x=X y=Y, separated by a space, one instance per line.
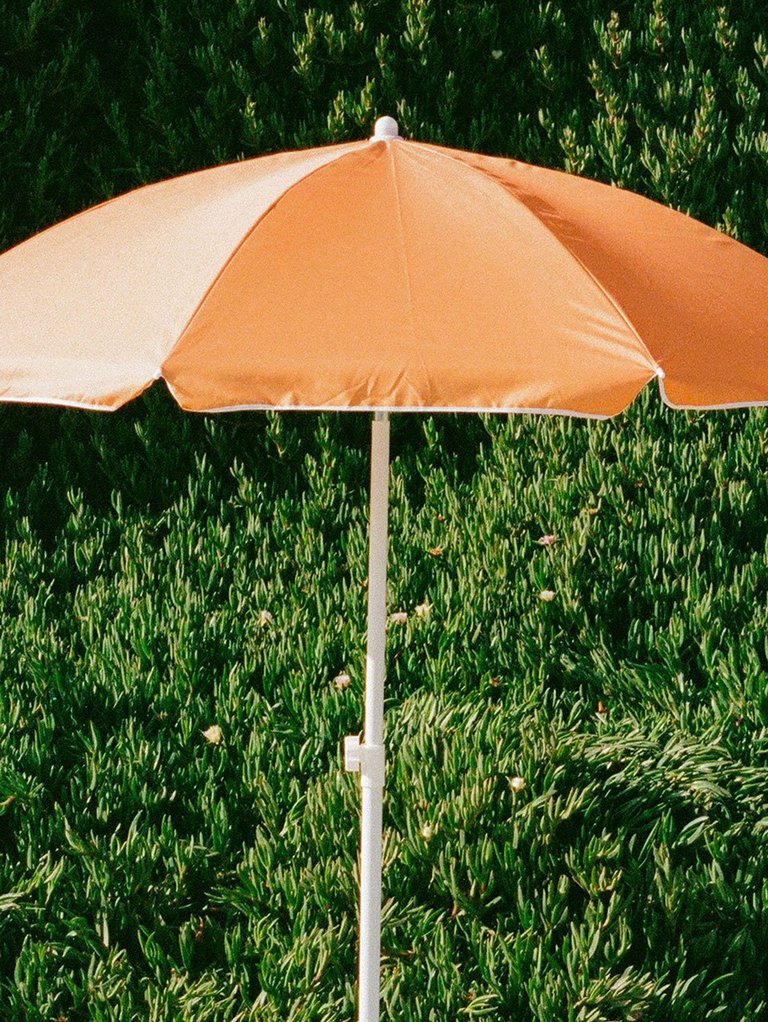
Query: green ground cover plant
x=577 y=708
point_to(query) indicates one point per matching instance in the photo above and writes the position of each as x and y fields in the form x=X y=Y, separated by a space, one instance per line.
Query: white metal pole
x=367 y=757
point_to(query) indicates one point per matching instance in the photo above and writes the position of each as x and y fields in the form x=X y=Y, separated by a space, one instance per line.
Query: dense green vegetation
x=577 y=797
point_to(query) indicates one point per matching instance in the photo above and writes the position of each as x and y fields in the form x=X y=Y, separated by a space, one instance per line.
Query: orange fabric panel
x=397 y=278
x=91 y=307
x=698 y=298
x=390 y=274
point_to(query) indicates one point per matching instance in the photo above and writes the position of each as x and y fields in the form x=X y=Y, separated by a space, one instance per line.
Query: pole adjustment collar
x=367 y=760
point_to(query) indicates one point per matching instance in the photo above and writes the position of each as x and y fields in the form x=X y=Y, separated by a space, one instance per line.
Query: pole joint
x=367 y=760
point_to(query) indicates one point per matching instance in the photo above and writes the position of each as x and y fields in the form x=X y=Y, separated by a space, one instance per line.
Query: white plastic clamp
x=367 y=760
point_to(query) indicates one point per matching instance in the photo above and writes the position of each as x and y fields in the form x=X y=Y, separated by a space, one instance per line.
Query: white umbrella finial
x=386 y=130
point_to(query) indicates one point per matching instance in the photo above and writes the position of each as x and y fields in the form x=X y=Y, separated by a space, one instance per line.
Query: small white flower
x=399 y=617
x=547 y=595
x=516 y=783
x=427 y=831
x=213 y=734
x=422 y=610
x=547 y=540
x=497 y=54
x=265 y=618
x=341 y=681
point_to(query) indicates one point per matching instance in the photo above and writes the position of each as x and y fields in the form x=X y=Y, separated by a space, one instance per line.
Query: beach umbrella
x=390 y=276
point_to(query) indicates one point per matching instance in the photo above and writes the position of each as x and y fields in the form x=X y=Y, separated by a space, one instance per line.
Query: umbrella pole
x=367 y=757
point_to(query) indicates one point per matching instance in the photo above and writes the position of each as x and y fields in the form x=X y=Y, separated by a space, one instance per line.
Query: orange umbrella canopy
x=384 y=274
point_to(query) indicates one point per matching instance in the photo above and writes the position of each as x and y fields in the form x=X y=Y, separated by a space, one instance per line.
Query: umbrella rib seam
x=403 y=246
